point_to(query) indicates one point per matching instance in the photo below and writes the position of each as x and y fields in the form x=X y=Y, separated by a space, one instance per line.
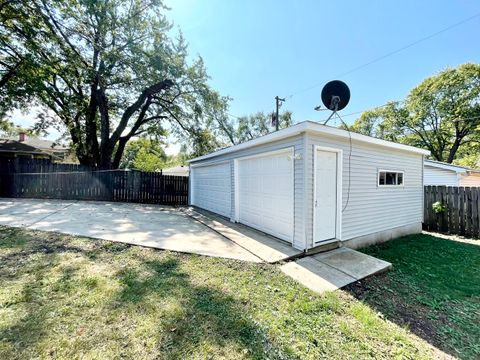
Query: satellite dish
x=335 y=95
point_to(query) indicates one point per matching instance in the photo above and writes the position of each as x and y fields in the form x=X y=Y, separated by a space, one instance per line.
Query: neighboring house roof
x=313 y=127
x=446 y=166
x=13 y=146
x=48 y=147
x=44 y=144
x=176 y=170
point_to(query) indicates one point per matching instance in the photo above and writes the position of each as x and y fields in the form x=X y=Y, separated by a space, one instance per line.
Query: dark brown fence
x=76 y=183
x=26 y=165
x=456 y=210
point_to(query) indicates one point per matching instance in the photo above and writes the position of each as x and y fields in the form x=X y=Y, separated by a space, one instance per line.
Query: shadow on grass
x=20 y=248
x=207 y=316
x=200 y=319
x=433 y=289
x=31 y=265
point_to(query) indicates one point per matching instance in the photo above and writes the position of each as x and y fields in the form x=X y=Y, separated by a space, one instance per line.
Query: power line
x=460 y=87
x=379 y=59
x=374 y=108
x=378 y=107
x=234 y=116
x=390 y=53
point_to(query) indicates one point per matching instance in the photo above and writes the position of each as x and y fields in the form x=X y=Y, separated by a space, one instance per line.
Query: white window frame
x=390 y=171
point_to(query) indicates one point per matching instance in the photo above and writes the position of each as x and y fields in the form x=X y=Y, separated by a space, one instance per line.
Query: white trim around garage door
x=236 y=196
x=290 y=149
x=338 y=223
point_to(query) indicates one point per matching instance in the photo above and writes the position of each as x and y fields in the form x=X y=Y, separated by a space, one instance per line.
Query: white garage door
x=211 y=188
x=265 y=193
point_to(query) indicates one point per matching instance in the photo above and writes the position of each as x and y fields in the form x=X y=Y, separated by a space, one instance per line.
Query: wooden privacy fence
x=458 y=210
x=109 y=185
x=27 y=165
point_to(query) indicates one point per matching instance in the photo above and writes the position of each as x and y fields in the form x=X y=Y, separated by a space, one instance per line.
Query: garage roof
x=315 y=128
x=446 y=166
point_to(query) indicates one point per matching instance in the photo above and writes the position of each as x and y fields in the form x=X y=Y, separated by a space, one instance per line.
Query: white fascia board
x=314 y=128
x=273 y=136
x=333 y=131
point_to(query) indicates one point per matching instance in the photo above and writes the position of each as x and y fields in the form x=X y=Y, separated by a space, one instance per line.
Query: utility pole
x=278 y=104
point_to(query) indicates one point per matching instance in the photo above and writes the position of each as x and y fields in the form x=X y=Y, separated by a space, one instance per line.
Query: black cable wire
x=390 y=53
x=349 y=160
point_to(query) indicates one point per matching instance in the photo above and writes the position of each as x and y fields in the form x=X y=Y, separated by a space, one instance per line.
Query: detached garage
x=312 y=184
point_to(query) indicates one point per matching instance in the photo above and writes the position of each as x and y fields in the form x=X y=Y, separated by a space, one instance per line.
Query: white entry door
x=325 y=200
x=265 y=193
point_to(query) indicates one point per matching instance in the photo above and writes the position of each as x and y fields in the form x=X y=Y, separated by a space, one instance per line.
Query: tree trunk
x=101 y=155
x=106 y=148
x=453 y=150
x=122 y=142
x=91 y=153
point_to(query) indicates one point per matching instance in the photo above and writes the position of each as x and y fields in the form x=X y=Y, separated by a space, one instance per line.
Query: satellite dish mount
x=335 y=96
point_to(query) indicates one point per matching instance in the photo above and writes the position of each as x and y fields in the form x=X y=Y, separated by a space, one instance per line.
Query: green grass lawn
x=71 y=297
x=434 y=289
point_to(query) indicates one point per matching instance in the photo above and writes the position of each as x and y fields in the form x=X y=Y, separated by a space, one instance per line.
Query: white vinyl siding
x=370 y=208
x=436 y=176
x=297 y=143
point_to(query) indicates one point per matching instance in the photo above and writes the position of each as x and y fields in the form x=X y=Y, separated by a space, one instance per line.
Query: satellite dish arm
x=334 y=103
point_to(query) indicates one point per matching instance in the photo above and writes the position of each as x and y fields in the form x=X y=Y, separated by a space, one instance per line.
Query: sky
x=256 y=50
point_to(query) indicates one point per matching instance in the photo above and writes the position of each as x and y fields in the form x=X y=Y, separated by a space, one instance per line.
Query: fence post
x=475 y=220
x=468 y=217
x=450 y=209
x=461 y=210
x=444 y=215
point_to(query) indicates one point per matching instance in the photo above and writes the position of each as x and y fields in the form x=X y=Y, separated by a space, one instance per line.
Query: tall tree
x=109 y=71
x=442 y=114
x=253 y=126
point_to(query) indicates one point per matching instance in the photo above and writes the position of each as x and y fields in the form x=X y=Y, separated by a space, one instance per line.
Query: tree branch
x=151 y=90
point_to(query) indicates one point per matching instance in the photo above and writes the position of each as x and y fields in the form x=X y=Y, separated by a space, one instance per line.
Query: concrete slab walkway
x=266 y=247
x=334 y=269
x=146 y=225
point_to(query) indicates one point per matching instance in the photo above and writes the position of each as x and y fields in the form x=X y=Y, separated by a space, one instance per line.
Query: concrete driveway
x=188 y=231
x=146 y=225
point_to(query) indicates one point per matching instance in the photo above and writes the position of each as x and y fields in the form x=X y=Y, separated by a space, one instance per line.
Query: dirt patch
x=406 y=312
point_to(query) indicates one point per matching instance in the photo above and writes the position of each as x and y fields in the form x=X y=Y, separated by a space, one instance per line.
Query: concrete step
x=324 y=247
x=334 y=269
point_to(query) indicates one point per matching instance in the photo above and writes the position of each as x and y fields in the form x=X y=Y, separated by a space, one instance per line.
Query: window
x=390 y=178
